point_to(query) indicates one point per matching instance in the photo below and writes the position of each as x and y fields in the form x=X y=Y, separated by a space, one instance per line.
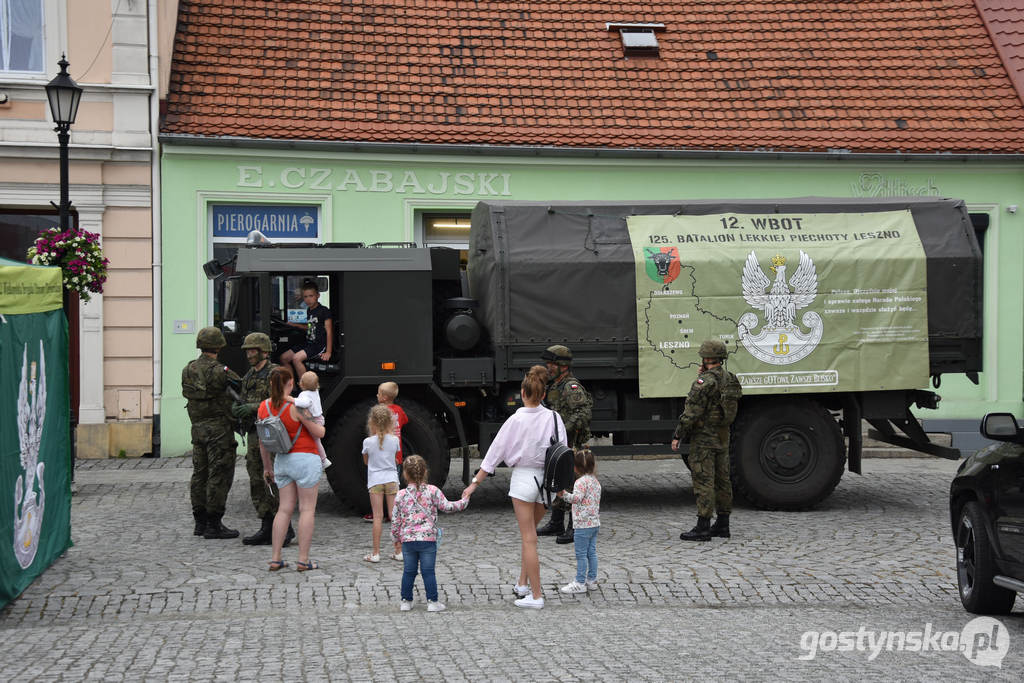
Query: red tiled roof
x=1005 y=22
x=882 y=76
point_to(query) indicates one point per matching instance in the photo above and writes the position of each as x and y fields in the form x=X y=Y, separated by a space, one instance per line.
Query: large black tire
x=975 y=566
x=786 y=453
x=422 y=436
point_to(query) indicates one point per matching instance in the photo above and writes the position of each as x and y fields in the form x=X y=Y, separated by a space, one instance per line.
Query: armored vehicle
x=606 y=279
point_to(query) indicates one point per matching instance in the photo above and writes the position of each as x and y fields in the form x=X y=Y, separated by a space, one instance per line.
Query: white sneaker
x=406 y=605
x=530 y=602
x=520 y=591
x=573 y=587
x=592 y=585
x=435 y=606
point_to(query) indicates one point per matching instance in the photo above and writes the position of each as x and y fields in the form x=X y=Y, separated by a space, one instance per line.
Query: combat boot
x=265 y=535
x=200 y=516
x=720 y=528
x=569 y=534
x=701 y=532
x=215 y=529
x=555 y=525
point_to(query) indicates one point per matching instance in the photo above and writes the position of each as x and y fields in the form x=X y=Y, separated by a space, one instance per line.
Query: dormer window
x=637 y=38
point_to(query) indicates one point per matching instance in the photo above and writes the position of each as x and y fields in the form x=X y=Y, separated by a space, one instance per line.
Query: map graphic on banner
x=804 y=302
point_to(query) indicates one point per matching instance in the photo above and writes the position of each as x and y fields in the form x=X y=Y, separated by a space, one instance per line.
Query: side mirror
x=1001 y=427
x=230 y=326
x=215 y=269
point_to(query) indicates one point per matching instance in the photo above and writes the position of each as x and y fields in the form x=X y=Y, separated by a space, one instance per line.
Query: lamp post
x=64 y=95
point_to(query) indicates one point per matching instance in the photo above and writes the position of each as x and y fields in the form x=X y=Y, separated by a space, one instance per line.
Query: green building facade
x=212 y=195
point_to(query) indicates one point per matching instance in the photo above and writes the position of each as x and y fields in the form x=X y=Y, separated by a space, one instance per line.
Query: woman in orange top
x=296 y=473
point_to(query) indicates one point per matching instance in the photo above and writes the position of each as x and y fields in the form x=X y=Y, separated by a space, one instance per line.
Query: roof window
x=637 y=38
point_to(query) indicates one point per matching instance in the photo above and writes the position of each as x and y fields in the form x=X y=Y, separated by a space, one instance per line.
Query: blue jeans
x=423 y=554
x=585 y=543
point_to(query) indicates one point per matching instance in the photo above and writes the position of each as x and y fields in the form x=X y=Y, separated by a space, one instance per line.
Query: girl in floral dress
x=413 y=525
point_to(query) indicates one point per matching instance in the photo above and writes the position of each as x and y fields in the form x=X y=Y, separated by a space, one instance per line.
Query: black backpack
x=558 y=467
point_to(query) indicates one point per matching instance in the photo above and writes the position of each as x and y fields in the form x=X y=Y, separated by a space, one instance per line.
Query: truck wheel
x=786 y=454
x=975 y=566
x=422 y=435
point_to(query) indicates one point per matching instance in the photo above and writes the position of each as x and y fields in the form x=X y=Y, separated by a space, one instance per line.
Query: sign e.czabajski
x=811 y=302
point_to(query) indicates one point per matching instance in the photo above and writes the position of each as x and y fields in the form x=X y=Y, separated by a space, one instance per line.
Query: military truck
x=458 y=340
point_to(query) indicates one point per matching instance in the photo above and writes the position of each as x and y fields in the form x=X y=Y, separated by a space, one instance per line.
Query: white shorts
x=524 y=484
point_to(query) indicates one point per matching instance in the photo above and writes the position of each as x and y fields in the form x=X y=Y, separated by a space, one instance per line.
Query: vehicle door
x=1007 y=469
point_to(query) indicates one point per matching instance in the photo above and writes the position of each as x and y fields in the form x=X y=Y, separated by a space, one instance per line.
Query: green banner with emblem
x=812 y=302
x=35 y=446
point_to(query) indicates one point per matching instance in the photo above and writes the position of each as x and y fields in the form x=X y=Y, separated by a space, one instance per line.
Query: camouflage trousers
x=213 y=465
x=264 y=502
x=711 y=485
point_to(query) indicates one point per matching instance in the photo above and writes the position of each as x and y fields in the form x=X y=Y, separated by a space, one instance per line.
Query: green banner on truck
x=809 y=302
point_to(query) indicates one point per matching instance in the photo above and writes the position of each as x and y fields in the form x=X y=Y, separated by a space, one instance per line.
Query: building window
x=19 y=230
x=450 y=229
x=21 y=35
x=231 y=224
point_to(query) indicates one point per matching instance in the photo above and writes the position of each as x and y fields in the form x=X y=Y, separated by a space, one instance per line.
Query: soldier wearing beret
x=566 y=396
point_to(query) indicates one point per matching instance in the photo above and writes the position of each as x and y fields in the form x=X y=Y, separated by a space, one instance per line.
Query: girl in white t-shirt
x=379 y=451
x=309 y=398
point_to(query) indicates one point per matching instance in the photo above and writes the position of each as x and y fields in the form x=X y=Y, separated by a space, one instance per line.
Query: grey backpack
x=272 y=432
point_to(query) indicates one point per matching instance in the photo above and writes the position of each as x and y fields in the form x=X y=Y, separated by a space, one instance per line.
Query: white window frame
x=54 y=35
x=207 y=200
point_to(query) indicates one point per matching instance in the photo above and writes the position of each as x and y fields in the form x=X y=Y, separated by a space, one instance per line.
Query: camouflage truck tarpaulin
x=805 y=302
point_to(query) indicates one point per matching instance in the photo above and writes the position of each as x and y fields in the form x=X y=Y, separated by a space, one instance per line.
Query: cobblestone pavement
x=140 y=598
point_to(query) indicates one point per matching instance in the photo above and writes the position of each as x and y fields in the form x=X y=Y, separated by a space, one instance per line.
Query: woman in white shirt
x=520 y=444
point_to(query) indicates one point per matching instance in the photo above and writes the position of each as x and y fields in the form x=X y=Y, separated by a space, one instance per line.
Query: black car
x=986 y=507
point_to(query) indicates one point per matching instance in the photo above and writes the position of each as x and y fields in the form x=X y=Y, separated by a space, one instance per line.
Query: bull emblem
x=663 y=264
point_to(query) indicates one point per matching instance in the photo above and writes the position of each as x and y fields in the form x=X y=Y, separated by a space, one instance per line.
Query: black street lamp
x=64 y=95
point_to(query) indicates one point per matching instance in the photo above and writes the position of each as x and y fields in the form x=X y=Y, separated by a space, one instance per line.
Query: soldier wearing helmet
x=567 y=396
x=710 y=409
x=204 y=383
x=255 y=389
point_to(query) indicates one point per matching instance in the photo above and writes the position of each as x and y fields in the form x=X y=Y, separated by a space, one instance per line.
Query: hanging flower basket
x=79 y=255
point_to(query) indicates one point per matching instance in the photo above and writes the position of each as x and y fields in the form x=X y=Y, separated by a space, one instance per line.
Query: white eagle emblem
x=780 y=341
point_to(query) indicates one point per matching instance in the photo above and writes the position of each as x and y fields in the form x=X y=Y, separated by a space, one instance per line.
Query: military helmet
x=257 y=340
x=713 y=348
x=210 y=338
x=557 y=354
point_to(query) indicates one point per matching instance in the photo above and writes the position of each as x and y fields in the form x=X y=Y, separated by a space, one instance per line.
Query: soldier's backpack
x=272 y=432
x=729 y=397
x=558 y=466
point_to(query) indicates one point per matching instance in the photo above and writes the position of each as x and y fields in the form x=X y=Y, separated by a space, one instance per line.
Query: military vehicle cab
x=386 y=302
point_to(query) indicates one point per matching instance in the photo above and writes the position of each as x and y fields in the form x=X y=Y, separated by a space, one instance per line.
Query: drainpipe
x=154 y=129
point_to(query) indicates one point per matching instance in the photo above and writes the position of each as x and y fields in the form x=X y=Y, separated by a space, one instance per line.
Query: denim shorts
x=302 y=468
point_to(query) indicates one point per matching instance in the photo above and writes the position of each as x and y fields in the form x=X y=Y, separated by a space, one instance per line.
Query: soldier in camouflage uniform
x=566 y=396
x=704 y=425
x=204 y=383
x=255 y=389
